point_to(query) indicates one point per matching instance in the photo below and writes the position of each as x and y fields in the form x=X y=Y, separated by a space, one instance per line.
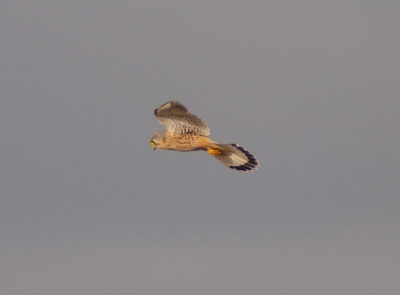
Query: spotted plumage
x=187 y=132
x=178 y=120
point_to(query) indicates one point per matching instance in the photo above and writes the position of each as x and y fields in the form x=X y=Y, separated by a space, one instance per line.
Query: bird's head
x=158 y=139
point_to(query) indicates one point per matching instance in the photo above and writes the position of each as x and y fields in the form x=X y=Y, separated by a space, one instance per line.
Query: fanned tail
x=234 y=156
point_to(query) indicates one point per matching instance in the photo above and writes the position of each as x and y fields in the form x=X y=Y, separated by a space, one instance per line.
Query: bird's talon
x=214 y=152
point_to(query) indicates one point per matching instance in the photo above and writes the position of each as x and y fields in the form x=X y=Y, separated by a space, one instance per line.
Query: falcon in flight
x=187 y=132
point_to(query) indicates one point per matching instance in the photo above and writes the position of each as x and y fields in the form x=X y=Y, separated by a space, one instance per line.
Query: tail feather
x=235 y=157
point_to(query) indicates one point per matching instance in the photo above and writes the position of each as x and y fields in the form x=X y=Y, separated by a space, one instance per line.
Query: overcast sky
x=311 y=88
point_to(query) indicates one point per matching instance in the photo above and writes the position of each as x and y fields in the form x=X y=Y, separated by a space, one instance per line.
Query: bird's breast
x=186 y=142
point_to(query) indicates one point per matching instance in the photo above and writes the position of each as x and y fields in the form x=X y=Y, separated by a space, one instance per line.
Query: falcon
x=186 y=132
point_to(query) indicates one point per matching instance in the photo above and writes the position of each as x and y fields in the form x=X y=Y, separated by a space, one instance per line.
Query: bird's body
x=186 y=142
x=186 y=132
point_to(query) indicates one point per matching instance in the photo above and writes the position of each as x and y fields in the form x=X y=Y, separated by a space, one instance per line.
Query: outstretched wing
x=176 y=118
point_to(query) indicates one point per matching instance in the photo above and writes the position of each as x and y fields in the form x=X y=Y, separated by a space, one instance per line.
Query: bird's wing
x=176 y=118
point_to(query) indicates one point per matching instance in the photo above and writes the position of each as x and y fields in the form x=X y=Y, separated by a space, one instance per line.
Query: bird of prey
x=187 y=132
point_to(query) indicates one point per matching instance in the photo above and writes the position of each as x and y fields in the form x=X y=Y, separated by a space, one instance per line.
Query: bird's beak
x=153 y=145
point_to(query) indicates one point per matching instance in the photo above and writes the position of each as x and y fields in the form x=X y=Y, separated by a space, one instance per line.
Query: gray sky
x=310 y=87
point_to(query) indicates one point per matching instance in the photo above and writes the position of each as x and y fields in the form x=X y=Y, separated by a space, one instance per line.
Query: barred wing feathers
x=177 y=119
